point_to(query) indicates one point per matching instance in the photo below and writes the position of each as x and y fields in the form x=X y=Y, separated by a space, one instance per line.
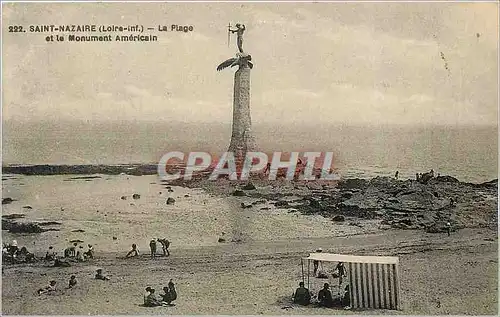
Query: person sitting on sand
x=90 y=252
x=173 y=292
x=167 y=297
x=25 y=256
x=79 y=255
x=346 y=298
x=49 y=289
x=72 y=281
x=61 y=263
x=152 y=247
x=325 y=298
x=164 y=246
x=13 y=249
x=133 y=252
x=71 y=251
x=100 y=276
x=151 y=300
x=51 y=254
x=302 y=295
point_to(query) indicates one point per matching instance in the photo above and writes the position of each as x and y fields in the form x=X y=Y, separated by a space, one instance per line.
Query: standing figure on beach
x=342 y=273
x=152 y=246
x=164 y=246
x=240 y=29
x=448 y=228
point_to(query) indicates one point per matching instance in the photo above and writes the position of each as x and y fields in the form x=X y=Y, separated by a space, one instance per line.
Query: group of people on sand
x=165 y=299
x=303 y=296
x=13 y=254
x=75 y=253
x=165 y=244
x=51 y=289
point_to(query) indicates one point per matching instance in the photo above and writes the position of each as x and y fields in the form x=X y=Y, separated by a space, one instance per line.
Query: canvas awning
x=330 y=257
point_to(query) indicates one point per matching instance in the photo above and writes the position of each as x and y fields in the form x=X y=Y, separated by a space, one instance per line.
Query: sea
x=469 y=153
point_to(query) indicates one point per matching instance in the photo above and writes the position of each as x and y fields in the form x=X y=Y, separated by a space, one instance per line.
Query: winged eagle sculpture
x=241 y=60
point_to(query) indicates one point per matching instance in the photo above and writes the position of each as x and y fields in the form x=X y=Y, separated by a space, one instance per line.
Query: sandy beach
x=254 y=271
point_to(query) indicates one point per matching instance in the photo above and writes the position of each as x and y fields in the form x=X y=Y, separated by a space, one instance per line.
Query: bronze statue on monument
x=242 y=139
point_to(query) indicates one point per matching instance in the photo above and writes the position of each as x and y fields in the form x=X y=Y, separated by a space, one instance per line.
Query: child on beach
x=100 y=276
x=72 y=281
x=49 y=289
x=133 y=252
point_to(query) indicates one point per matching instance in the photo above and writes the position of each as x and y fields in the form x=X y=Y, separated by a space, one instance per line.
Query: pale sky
x=359 y=63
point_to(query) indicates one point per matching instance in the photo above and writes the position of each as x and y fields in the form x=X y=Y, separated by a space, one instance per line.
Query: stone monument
x=242 y=139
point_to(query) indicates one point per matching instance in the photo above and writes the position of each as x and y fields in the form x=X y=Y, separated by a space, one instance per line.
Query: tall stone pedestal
x=242 y=138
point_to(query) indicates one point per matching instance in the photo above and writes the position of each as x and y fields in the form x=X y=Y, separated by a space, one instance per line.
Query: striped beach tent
x=373 y=280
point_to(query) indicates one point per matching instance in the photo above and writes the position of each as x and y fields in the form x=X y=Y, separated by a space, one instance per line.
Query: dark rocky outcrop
x=136 y=196
x=7 y=200
x=239 y=193
x=248 y=186
x=170 y=201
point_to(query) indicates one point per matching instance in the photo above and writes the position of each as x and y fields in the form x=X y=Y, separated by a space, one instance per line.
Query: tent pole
x=302 y=264
x=308 y=270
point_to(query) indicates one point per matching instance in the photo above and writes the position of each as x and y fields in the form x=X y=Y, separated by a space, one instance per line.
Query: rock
x=136 y=196
x=445 y=179
x=314 y=203
x=123 y=197
x=281 y=203
x=259 y=202
x=115 y=238
x=264 y=208
x=338 y=218
x=356 y=224
x=239 y=193
x=50 y=223
x=27 y=207
x=170 y=190
x=7 y=200
x=243 y=205
x=347 y=194
x=78 y=230
x=15 y=227
x=76 y=241
x=221 y=240
x=170 y=201
x=352 y=183
x=187 y=195
x=13 y=216
x=249 y=186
